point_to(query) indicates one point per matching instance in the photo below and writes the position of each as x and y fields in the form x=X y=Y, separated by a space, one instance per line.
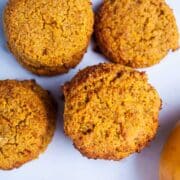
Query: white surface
x=61 y=161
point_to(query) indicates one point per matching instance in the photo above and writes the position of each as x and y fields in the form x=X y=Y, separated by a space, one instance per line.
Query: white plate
x=61 y=161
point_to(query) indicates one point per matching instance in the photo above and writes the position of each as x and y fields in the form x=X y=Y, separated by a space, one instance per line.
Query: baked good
x=110 y=111
x=136 y=33
x=48 y=37
x=27 y=122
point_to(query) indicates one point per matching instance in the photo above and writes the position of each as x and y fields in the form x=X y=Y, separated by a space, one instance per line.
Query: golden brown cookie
x=136 y=33
x=110 y=111
x=48 y=37
x=27 y=122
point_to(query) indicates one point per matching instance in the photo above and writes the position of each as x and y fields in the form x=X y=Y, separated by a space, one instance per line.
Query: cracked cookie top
x=136 y=33
x=48 y=37
x=27 y=121
x=110 y=111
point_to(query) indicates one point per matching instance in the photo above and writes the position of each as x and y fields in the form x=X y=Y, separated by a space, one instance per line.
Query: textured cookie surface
x=27 y=122
x=110 y=111
x=48 y=37
x=136 y=33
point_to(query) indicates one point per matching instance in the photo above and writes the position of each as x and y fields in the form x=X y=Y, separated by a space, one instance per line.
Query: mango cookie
x=136 y=33
x=110 y=111
x=27 y=122
x=48 y=37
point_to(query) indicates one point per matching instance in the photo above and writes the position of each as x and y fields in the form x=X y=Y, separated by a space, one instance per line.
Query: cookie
x=136 y=33
x=48 y=37
x=27 y=122
x=110 y=111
